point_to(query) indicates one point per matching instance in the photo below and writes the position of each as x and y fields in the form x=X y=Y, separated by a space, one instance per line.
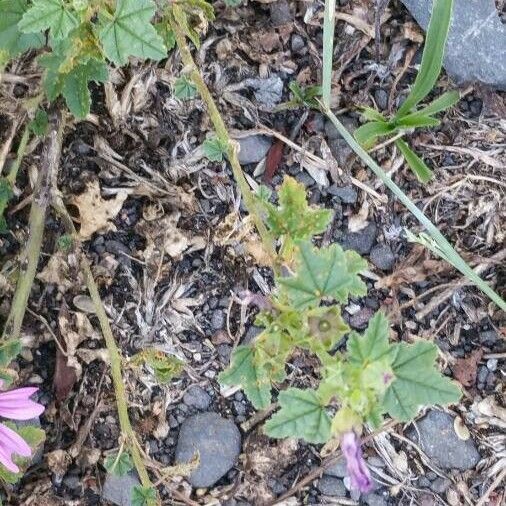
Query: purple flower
x=357 y=469
x=16 y=405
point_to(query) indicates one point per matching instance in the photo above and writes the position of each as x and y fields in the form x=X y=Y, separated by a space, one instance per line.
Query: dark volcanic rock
x=382 y=257
x=361 y=241
x=197 y=397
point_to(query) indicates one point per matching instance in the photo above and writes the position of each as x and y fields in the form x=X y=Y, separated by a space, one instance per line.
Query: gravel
x=253 y=148
x=476 y=40
x=218 y=319
x=268 y=92
x=218 y=442
x=382 y=257
x=347 y=194
x=337 y=470
x=488 y=337
x=280 y=13
x=329 y=485
x=118 y=489
x=381 y=98
x=197 y=397
x=361 y=241
x=437 y=438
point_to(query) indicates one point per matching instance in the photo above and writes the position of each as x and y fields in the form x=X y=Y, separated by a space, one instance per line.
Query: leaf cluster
x=359 y=383
x=409 y=116
x=85 y=36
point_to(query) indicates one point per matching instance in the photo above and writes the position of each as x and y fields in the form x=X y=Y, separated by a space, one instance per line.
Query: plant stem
x=20 y=153
x=446 y=248
x=328 y=52
x=114 y=354
x=223 y=136
x=29 y=258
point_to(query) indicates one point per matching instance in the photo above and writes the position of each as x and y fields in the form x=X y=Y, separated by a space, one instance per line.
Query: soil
x=142 y=140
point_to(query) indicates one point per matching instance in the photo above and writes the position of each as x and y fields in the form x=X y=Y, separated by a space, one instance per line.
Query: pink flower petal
x=17 y=405
x=358 y=471
x=11 y=442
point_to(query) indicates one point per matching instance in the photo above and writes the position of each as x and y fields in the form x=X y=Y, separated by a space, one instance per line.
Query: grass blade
x=445 y=101
x=445 y=247
x=417 y=121
x=369 y=132
x=432 y=59
x=417 y=165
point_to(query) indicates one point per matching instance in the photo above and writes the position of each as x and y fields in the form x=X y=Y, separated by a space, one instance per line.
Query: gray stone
x=492 y=364
x=361 y=241
x=218 y=442
x=375 y=500
x=338 y=469
x=347 y=194
x=437 y=438
x=381 y=98
x=297 y=43
x=197 y=397
x=280 y=13
x=329 y=485
x=476 y=47
x=488 y=337
x=118 y=489
x=218 y=319
x=382 y=257
x=268 y=92
x=440 y=485
x=253 y=148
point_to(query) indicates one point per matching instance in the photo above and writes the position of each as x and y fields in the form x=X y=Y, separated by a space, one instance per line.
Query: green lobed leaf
x=167 y=34
x=293 y=218
x=184 y=89
x=432 y=58
x=373 y=344
x=39 y=123
x=214 y=149
x=119 y=465
x=326 y=328
x=417 y=165
x=130 y=33
x=143 y=496
x=12 y=39
x=57 y=16
x=445 y=101
x=325 y=273
x=302 y=415
x=367 y=134
x=165 y=367
x=34 y=436
x=245 y=371
x=417 y=382
x=8 y=351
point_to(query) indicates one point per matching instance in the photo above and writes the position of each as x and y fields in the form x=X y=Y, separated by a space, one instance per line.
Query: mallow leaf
x=324 y=273
x=55 y=15
x=214 y=149
x=294 y=218
x=8 y=351
x=119 y=465
x=12 y=39
x=130 y=33
x=417 y=382
x=143 y=496
x=184 y=89
x=373 y=344
x=253 y=378
x=302 y=415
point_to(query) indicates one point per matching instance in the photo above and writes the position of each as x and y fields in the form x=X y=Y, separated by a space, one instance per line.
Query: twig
x=495 y=484
x=4 y=151
x=222 y=133
x=29 y=258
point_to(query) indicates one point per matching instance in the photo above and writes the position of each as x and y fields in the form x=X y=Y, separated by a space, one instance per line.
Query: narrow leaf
x=301 y=416
x=367 y=134
x=433 y=52
x=371 y=114
x=417 y=121
x=417 y=382
x=417 y=165
x=445 y=101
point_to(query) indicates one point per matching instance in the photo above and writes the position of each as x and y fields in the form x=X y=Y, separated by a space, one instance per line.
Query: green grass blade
x=446 y=248
x=369 y=132
x=417 y=121
x=445 y=101
x=417 y=165
x=371 y=114
x=432 y=59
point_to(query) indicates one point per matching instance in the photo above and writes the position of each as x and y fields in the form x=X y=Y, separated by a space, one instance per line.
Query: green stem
x=446 y=248
x=20 y=153
x=223 y=136
x=29 y=258
x=328 y=46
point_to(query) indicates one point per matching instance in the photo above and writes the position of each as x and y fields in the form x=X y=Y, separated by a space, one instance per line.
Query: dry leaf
x=460 y=429
x=465 y=369
x=95 y=213
x=58 y=462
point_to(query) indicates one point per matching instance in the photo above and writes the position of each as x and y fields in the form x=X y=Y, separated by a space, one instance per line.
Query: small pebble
x=381 y=98
x=492 y=364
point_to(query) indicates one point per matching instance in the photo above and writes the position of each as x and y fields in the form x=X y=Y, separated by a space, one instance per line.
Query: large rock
x=437 y=438
x=476 y=47
x=218 y=442
x=118 y=489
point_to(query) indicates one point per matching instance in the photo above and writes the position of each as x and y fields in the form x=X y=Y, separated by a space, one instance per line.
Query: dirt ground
x=166 y=234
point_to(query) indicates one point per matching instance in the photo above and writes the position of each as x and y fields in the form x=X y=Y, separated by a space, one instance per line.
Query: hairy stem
x=112 y=348
x=223 y=136
x=29 y=258
x=447 y=250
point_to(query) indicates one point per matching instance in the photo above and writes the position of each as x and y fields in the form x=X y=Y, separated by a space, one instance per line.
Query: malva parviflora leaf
x=325 y=273
x=214 y=149
x=244 y=371
x=12 y=39
x=184 y=89
x=8 y=351
x=129 y=32
x=119 y=465
x=302 y=415
x=143 y=496
x=57 y=16
x=417 y=382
